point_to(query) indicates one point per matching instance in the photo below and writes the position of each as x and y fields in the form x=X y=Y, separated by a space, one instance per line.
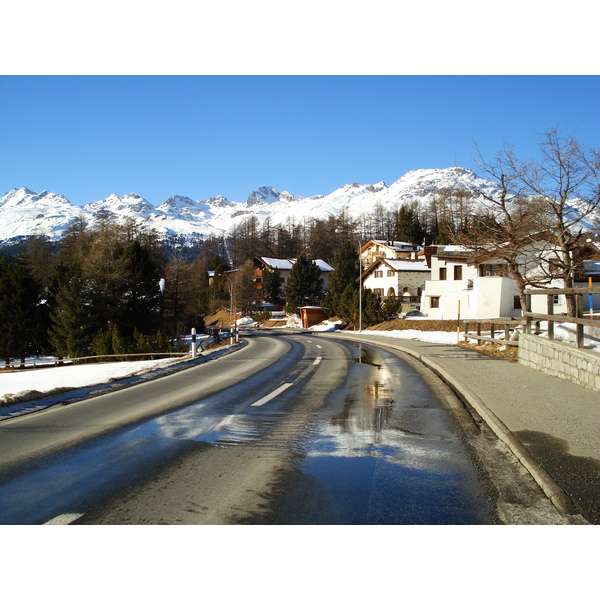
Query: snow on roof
x=287 y=264
x=406 y=265
x=277 y=263
x=323 y=266
x=395 y=244
x=446 y=249
x=591 y=267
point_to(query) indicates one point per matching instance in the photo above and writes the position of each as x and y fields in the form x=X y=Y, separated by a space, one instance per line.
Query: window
x=489 y=271
x=556 y=299
x=434 y=302
x=457 y=272
x=390 y=273
x=517 y=302
x=378 y=292
x=378 y=274
x=442 y=273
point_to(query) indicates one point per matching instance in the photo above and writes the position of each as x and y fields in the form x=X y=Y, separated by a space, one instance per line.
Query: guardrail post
x=579 y=313
x=550 y=309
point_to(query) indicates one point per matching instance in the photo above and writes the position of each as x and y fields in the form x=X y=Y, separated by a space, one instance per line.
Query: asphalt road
x=290 y=429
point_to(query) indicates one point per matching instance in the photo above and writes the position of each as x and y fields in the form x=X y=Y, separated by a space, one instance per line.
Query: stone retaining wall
x=560 y=359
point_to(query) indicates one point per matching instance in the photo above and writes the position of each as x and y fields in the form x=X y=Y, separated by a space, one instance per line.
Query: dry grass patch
x=419 y=324
x=510 y=353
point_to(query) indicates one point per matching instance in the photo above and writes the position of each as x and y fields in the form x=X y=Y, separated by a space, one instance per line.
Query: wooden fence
x=214 y=333
x=579 y=320
x=505 y=325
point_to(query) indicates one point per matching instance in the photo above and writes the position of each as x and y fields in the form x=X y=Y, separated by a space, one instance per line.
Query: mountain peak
x=262 y=195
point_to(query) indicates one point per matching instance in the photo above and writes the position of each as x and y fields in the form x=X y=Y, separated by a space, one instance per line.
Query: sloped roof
x=399 y=265
x=396 y=245
x=591 y=267
x=285 y=264
x=323 y=265
x=282 y=264
x=406 y=265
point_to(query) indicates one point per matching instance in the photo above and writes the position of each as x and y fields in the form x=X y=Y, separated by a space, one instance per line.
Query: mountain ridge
x=25 y=213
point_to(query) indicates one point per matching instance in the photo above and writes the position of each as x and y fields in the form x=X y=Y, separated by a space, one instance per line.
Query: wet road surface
x=330 y=433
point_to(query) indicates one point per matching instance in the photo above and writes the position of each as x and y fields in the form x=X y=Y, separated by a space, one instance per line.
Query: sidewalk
x=551 y=425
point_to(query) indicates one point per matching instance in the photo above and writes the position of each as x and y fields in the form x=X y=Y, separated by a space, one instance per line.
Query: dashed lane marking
x=272 y=395
x=64 y=519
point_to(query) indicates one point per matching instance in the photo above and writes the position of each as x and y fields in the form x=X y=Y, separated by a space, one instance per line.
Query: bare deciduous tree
x=538 y=217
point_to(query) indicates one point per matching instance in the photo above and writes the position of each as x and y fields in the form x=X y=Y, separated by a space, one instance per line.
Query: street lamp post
x=357 y=239
x=233 y=329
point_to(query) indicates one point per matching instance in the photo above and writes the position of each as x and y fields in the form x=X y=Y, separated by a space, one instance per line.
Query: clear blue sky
x=199 y=136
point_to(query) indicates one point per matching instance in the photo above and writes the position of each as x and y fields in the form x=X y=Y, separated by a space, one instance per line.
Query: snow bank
x=325 y=326
x=74 y=376
x=245 y=321
x=567 y=332
x=436 y=337
x=563 y=332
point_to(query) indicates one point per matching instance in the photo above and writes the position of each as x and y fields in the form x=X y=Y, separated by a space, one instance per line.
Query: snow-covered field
x=16 y=385
x=20 y=389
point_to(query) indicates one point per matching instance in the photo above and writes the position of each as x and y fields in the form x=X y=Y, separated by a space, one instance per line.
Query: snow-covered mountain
x=25 y=213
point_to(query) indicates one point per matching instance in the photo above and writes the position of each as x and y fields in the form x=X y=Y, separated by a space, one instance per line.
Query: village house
x=395 y=278
x=284 y=266
x=460 y=284
x=376 y=249
x=477 y=286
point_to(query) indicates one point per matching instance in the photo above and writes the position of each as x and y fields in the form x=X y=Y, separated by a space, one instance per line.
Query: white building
x=460 y=285
x=478 y=287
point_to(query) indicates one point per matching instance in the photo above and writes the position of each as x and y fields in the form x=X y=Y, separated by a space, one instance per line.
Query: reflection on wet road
x=383 y=451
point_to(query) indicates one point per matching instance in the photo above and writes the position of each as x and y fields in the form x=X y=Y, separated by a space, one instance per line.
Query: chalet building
x=285 y=266
x=376 y=249
x=389 y=277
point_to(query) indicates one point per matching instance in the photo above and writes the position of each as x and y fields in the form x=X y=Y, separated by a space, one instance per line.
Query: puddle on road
x=384 y=451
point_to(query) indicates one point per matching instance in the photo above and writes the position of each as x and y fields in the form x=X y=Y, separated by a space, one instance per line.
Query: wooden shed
x=311 y=315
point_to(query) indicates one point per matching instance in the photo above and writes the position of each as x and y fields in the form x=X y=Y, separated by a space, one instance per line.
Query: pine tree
x=19 y=311
x=272 y=283
x=344 y=277
x=71 y=317
x=304 y=286
x=141 y=297
x=408 y=226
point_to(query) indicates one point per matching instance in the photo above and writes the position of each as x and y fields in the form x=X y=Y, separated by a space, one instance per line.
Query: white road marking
x=64 y=519
x=272 y=395
x=319 y=346
x=317 y=360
